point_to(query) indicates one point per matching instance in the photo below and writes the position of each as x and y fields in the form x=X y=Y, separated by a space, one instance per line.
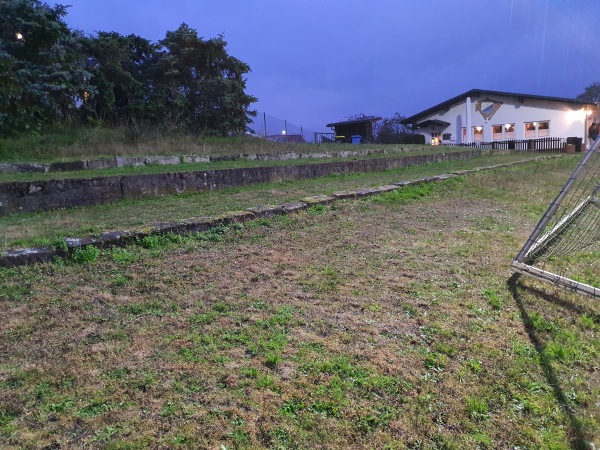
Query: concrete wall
x=21 y=197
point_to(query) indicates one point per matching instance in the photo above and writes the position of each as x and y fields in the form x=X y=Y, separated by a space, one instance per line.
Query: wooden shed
x=362 y=127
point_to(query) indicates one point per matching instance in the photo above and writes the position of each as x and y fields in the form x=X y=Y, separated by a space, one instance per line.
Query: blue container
x=356 y=139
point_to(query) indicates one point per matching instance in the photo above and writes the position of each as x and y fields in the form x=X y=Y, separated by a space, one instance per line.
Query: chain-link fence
x=279 y=130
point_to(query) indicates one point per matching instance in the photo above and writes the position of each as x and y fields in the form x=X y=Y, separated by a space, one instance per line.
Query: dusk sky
x=318 y=61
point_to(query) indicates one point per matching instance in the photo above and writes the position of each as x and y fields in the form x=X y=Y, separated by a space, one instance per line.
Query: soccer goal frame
x=554 y=223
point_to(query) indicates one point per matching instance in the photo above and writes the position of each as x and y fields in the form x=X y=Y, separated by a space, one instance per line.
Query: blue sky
x=318 y=61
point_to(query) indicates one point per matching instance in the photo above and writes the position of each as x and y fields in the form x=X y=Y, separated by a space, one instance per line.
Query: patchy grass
x=64 y=144
x=379 y=323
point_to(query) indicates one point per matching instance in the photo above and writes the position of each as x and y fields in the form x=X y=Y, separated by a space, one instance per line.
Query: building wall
x=563 y=121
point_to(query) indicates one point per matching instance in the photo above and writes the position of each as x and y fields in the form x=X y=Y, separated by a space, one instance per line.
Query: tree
x=392 y=131
x=591 y=93
x=42 y=78
x=198 y=84
x=119 y=66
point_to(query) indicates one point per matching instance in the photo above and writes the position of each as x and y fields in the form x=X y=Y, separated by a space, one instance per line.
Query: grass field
x=391 y=322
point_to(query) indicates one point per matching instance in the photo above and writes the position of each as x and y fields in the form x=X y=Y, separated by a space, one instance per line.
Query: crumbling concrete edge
x=110 y=239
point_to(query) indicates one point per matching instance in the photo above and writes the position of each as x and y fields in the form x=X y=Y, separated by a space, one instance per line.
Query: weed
x=376 y=418
x=155 y=241
x=539 y=323
x=477 y=408
x=589 y=322
x=318 y=209
x=154 y=308
x=169 y=409
x=292 y=407
x=123 y=256
x=556 y=351
x=94 y=408
x=214 y=234
x=493 y=298
x=474 y=365
x=272 y=360
x=14 y=291
x=266 y=382
x=435 y=361
x=405 y=195
x=85 y=255
x=249 y=372
x=203 y=318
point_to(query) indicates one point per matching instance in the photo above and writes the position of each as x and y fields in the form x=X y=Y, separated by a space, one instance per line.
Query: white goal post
x=564 y=248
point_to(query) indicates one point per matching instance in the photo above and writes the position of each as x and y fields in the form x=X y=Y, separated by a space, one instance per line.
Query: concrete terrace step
x=119 y=238
x=136 y=161
x=29 y=196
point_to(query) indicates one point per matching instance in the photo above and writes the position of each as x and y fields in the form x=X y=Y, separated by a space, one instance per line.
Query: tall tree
x=42 y=78
x=200 y=85
x=118 y=65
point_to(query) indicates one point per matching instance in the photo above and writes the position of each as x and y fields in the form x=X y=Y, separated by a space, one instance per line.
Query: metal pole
x=265 y=122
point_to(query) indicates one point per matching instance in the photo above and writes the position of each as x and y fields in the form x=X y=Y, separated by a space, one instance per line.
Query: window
x=530 y=129
x=497 y=132
x=478 y=134
x=504 y=131
x=509 y=131
x=537 y=129
x=436 y=138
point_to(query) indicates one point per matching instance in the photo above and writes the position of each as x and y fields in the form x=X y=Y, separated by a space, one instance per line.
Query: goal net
x=564 y=247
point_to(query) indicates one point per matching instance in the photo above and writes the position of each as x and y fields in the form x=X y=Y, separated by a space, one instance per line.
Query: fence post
x=265 y=122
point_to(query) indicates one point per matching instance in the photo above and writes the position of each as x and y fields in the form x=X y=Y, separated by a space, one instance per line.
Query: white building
x=488 y=116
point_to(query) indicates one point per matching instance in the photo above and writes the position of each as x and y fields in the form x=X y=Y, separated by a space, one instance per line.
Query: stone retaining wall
x=29 y=196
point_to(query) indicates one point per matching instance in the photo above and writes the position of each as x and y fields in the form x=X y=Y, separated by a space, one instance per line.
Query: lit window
x=478 y=134
x=530 y=129
x=509 y=131
x=537 y=129
x=543 y=129
x=497 y=132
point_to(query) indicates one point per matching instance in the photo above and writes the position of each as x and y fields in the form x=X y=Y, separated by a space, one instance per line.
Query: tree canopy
x=391 y=130
x=51 y=74
x=591 y=93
